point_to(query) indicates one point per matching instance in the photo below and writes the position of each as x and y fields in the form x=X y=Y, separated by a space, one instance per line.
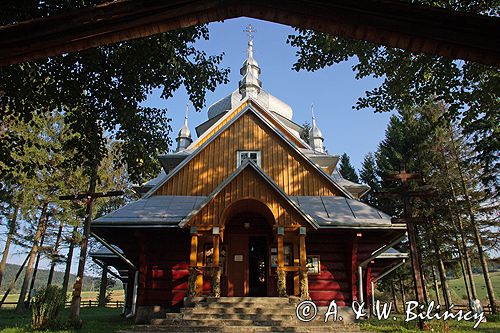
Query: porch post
x=193 y=263
x=304 y=280
x=216 y=270
x=281 y=264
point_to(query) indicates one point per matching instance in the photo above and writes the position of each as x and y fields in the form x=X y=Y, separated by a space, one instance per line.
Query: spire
x=250 y=84
x=184 y=137
x=315 y=136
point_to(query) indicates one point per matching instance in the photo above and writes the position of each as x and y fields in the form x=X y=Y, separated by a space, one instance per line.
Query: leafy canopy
x=470 y=90
x=101 y=90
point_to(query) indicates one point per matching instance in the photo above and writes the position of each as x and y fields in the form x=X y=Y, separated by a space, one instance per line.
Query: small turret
x=315 y=136
x=250 y=85
x=184 y=137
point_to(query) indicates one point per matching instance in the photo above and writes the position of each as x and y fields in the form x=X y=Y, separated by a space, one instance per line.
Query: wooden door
x=237 y=265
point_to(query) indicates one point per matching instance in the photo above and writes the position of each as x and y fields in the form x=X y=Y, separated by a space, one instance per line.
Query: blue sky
x=333 y=91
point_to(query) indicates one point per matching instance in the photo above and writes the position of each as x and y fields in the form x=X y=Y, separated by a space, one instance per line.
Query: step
x=217 y=322
x=219 y=305
x=227 y=316
x=260 y=300
x=244 y=310
x=243 y=329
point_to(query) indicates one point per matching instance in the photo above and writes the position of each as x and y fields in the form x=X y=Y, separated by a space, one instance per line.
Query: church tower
x=184 y=137
x=315 y=136
x=250 y=85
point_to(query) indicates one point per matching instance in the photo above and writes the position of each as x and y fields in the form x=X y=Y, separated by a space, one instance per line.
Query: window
x=243 y=155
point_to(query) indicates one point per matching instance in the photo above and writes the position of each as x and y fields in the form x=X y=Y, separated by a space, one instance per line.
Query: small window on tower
x=243 y=155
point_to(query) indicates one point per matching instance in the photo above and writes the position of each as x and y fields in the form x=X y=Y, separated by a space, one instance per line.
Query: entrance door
x=257 y=262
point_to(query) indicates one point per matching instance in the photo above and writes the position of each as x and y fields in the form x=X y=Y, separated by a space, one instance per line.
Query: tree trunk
x=475 y=228
x=77 y=288
x=37 y=262
x=421 y=266
x=69 y=260
x=460 y=227
x=103 y=287
x=13 y=282
x=403 y=292
x=20 y=308
x=442 y=275
x=394 y=297
x=55 y=252
x=436 y=287
x=10 y=235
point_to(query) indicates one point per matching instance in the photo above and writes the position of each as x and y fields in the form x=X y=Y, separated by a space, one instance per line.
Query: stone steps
x=241 y=315
x=244 y=329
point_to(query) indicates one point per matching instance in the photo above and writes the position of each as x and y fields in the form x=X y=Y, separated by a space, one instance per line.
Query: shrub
x=46 y=305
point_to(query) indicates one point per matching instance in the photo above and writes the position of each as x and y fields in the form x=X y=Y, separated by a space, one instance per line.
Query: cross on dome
x=250 y=32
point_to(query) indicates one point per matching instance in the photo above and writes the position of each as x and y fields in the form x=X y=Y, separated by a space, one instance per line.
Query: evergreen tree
x=304 y=133
x=368 y=175
x=408 y=79
x=347 y=170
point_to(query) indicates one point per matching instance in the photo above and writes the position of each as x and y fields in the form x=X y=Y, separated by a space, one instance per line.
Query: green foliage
x=304 y=133
x=347 y=170
x=419 y=138
x=368 y=175
x=470 y=90
x=46 y=306
x=101 y=90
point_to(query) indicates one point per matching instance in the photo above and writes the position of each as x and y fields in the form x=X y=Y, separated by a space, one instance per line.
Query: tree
x=100 y=92
x=304 y=133
x=420 y=137
x=368 y=175
x=347 y=170
x=409 y=79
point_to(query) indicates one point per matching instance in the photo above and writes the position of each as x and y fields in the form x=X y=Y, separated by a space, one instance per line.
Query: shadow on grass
x=94 y=320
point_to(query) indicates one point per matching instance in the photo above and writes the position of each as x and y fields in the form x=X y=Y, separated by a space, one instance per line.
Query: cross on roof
x=250 y=31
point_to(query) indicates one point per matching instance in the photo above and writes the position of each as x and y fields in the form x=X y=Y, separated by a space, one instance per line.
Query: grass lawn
x=86 y=295
x=457 y=286
x=95 y=320
x=491 y=326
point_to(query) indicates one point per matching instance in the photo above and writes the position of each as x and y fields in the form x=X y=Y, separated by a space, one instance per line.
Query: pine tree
x=368 y=175
x=347 y=170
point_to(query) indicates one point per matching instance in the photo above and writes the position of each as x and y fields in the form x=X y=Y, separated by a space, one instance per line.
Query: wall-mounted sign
x=238 y=257
x=313 y=265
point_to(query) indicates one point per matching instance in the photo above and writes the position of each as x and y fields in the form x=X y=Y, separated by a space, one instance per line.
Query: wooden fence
x=84 y=304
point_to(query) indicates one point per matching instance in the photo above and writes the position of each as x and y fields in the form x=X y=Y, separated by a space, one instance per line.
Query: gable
x=258 y=187
x=217 y=160
x=233 y=113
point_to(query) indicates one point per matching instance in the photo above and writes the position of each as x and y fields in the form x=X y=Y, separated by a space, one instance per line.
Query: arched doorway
x=248 y=236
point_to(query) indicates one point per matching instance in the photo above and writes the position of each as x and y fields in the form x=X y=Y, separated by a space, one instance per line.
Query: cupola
x=315 y=136
x=184 y=137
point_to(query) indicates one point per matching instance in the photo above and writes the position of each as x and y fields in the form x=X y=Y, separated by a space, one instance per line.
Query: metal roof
x=392 y=253
x=342 y=212
x=352 y=187
x=159 y=209
x=325 y=212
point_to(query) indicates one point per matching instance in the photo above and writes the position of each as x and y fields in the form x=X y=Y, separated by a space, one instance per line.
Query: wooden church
x=247 y=209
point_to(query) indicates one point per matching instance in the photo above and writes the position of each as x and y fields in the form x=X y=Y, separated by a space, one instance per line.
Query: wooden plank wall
x=217 y=161
x=248 y=184
x=334 y=281
x=163 y=269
